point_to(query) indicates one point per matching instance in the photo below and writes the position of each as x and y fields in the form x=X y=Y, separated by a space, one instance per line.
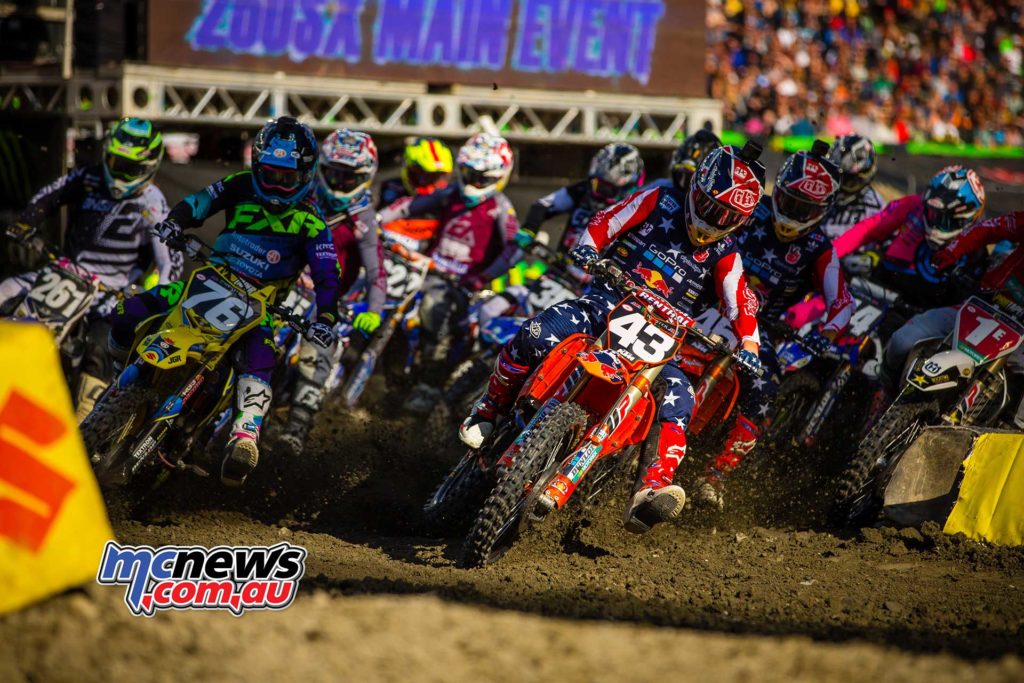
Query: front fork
x=983 y=388
x=576 y=466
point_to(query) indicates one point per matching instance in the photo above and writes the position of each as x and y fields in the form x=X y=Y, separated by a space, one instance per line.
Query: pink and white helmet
x=348 y=163
x=485 y=164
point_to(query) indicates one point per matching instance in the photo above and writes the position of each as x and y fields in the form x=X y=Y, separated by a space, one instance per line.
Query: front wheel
x=497 y=526
x=108 y=430
x=863 y=482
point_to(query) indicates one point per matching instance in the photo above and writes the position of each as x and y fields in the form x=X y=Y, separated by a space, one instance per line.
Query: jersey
x=781 y=273
x=266 y=246
x=473 y=241
x=573 y=200
x=1008 y=273
x=414 y=232
x=906 y=264
x=358 y=245
x=112 y=238
x=852 y=210
x=645 y=235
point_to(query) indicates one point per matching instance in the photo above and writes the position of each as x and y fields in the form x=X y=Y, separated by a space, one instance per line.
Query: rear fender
x=941 y=371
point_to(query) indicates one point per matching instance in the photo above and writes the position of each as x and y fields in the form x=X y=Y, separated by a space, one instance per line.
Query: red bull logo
x=653 y=279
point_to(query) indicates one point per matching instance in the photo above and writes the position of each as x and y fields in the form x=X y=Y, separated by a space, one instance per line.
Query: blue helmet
x=954 y=199
x=284 y=161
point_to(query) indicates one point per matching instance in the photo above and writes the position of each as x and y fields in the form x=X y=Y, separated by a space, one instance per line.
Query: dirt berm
x=716 y=599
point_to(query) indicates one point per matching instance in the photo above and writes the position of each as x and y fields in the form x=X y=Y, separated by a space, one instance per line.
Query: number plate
x=58 y=294
x=403 y=278
x=983 y=333
x=634 y=336
x=218 y=303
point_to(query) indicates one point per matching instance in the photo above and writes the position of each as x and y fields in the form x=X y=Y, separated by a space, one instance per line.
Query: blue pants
x=589 y=315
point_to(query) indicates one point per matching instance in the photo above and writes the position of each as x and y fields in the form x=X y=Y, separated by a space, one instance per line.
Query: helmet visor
x=606 y=191
x=423 y=178
x=475 y=178
x=797 y=209
x=713 y=212
x=123 y=168
x=943 y=220
x=344 y=179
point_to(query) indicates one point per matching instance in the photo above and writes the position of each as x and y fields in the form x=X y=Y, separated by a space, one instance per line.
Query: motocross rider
x=687 y=157
x=427 y=167
x=920 y=225
x=858 y=199
x=1003 y=281
x=274 y=229
x=616 y=171
x=475 y=242
x=113 y=210
x=348 y=164
x=785 y=253
x=671 y=241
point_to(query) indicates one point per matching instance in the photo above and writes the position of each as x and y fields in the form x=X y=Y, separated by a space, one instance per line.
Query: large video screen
x=653 y=47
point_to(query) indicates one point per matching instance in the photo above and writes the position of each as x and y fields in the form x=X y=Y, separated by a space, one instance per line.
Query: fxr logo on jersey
x=223 y=578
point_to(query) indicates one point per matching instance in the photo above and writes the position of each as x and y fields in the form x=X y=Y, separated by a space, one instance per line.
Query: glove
x=321 y=332
x=861 y=264
x=367 y=322
x=169 y=231
x=944 y=258
x=524 y=237
x=584 y=256
x=816 y=343
x=21 y=232
x=749 y=362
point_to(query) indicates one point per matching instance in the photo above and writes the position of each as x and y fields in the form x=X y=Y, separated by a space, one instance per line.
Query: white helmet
x=485 y=164
x=348 y=163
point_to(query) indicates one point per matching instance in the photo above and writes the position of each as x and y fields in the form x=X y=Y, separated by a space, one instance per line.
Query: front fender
x=941 y=371
x=169 y=349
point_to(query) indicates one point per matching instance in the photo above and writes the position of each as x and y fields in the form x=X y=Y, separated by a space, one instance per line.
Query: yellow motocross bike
x=178 y=384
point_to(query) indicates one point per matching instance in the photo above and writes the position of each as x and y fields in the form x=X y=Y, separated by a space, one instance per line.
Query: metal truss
x=228 y=98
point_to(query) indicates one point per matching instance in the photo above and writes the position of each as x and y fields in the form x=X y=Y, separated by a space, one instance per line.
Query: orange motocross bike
x=581 y=414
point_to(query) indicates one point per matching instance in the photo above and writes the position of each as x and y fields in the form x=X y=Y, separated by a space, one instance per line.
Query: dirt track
x=887 y=599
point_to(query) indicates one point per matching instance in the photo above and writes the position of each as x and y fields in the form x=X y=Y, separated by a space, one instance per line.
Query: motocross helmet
x=284 y=161
x=806 y=188
x=616 y=171
x=726 y=189
x=855 y=156
x=953 y=200
x=687 y=155
x=485 y=164
x=428 y=163
x=348 y=163
x=131 y=156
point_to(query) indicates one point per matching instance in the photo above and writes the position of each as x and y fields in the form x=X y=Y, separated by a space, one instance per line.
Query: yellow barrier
x=990 y=506
x=53 y=524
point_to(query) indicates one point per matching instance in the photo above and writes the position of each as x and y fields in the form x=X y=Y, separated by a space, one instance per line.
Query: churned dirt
x=713 y=598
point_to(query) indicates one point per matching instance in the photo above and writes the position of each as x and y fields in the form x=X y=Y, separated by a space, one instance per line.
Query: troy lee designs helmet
x=428 y=163
x=855 y=157
x=485 y=164
x=131 y=156
x=615 y=172
x=953 y=200
x=348 y=163
x=726 y=188
x=284 y=161
x=687 y=156
x=806 y=188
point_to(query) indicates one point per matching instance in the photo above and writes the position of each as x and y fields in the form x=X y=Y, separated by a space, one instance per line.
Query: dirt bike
x=959 y=381
x=581 y=415
x=178 y=382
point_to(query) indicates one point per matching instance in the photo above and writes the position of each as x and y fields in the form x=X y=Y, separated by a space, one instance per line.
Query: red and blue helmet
x=953 y=201
x=284 y=161
x=724 y=192
x=806 y=188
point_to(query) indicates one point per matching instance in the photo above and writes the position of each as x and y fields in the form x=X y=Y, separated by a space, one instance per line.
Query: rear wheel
x=797 y=393
x=861 y=485
x=497 y=526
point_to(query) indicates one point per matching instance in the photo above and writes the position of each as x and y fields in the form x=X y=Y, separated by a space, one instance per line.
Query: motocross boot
x=90 y=388
x=655 y=498
x=502 y=388
x=313 y=369
x=741 y=440
x=252 y=396
x=292 y=440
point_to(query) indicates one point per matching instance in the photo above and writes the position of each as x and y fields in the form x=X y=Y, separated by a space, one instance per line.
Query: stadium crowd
x=895 y=71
